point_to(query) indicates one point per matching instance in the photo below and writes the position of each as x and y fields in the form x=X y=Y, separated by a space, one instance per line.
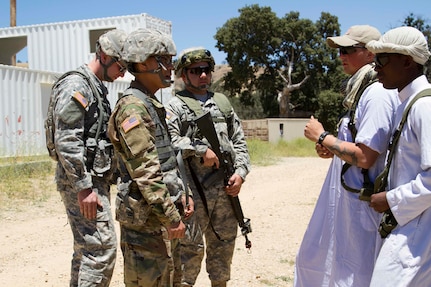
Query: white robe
x=341 y=242
x=405 y=257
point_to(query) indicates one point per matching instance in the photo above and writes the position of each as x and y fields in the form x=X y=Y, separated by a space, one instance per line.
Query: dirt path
x=37 y=242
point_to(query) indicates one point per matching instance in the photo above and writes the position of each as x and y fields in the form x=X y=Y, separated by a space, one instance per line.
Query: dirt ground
x=37 y=242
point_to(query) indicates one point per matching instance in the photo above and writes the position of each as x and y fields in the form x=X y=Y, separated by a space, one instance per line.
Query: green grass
x=264 y=153
x=31 y=178
x=25 y=178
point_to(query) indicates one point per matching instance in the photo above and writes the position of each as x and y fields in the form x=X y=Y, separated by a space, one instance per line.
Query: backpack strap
x=388 y=221
x=367 y=184
x=352 y=111
x=382 y=180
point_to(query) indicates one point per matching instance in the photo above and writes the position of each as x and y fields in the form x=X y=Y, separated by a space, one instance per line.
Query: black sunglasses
x=350 y=50
x=381 y=60
x=199 y=70
x=121 y=67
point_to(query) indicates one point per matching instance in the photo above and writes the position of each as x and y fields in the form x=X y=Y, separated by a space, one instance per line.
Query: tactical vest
x=131 y=208
x=165 y=151
x=98 y=149
x=222 y=103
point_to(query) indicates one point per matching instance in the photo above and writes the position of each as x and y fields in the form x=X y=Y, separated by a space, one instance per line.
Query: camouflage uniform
x=138 y=131
x=78 y=105
x=220 y=229
x=94 y=240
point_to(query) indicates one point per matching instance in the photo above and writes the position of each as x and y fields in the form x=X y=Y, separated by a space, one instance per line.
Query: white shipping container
x=52 y=49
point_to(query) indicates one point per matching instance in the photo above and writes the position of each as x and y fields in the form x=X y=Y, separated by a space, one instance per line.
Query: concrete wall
x=274 y=129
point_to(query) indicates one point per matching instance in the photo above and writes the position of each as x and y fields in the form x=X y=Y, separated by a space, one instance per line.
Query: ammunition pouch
x=98 y=156
x=49 y=136
x=130 y=206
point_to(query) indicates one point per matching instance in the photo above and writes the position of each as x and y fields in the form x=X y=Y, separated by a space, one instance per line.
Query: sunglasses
x=121 y=67
x=381 y=60
x=199 y=70
x=164 y=61
x=350 y=50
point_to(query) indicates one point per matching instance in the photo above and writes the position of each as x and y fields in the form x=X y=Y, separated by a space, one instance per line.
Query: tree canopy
x=261 y=48
x=258 y=45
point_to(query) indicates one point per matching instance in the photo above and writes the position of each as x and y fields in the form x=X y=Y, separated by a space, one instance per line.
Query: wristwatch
x=322 y=137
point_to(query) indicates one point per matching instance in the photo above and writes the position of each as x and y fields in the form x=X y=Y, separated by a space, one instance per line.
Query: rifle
x=206 y=127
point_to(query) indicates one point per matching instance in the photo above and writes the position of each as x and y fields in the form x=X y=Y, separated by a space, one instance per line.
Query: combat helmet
x=111 y=43
x=144 y=43
x=193 y=55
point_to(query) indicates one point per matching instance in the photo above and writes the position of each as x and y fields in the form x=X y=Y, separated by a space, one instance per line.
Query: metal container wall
x=24 y=97
x=53 y=49
x=62 y=46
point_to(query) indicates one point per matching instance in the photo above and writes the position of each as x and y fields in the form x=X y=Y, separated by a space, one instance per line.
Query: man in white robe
x=341 y=242
x=405 y=257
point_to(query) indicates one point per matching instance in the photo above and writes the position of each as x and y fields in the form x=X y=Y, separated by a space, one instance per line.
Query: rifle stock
x=206 y=127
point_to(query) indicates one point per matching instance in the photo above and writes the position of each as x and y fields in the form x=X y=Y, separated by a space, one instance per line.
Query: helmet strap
x=105 y=68
x=158 y=71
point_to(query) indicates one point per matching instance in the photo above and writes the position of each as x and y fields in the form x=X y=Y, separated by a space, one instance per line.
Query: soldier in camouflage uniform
x=150 y=222
x=214 y=216
x=80 y=112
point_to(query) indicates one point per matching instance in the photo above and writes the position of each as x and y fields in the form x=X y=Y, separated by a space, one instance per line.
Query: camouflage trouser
x=148 y=264
x=176 y=256
x=220 y=243
x=192 y=251
x=174 y=251
x=95 y=242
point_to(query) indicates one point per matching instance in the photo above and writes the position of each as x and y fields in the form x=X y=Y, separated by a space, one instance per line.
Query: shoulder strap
x=96 y=94
x=382 y=179
x=352 y=127
x=389 y=222
x=352 y=122
x=191 y=102
x=221 y=100
x=223 y=104
x=49 y=122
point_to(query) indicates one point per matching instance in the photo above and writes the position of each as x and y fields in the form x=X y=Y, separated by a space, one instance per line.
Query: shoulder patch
x=81 y=99
x=130 y=123
x=169 y=114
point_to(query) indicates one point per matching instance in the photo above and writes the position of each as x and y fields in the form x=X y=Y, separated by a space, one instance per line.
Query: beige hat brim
x=340 y=41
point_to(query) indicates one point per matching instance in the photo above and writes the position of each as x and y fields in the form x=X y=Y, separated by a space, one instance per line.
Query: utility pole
x=13 y=24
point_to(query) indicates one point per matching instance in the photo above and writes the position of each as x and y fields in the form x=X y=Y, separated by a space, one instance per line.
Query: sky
x=194 y=23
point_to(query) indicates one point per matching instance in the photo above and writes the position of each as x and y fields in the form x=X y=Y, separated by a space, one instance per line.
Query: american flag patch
x=81 y=99
x=129 y=123
x=168 y=114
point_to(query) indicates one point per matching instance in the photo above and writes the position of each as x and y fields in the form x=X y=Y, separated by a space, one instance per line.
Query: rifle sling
x=204 y=199
x=389 y=221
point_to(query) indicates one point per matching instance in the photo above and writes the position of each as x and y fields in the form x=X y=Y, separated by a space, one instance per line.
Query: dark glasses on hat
x=350 y=50
x=381 y=60
x=199 y=70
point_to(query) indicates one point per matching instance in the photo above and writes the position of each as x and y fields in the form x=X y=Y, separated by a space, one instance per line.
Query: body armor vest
x=165 y=150
x=98 y=148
